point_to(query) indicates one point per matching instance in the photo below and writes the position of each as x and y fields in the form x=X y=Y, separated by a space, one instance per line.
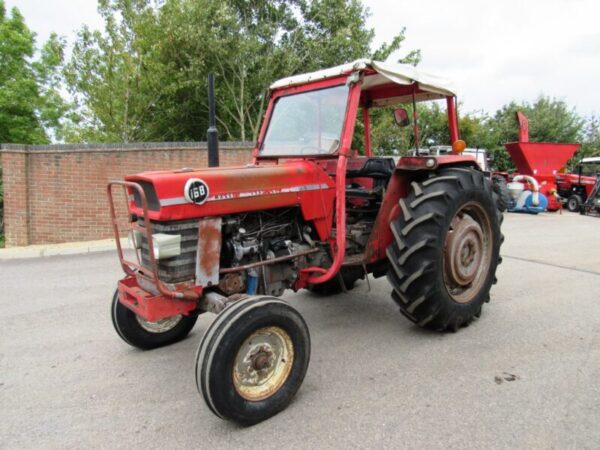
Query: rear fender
x=429 y=163
x=381 y=235
x=407 y=170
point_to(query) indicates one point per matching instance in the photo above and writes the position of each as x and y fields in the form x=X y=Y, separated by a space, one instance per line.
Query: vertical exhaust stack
x=212 y=134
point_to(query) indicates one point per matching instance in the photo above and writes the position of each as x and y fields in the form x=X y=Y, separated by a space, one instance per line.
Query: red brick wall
x=57 y=193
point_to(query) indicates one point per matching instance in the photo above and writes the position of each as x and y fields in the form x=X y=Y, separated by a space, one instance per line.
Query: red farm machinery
x=307 y=213
x=533 y=188
x=578 y=187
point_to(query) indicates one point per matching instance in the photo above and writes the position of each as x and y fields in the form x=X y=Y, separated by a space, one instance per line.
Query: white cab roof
x=592 y=159
x=434 y=86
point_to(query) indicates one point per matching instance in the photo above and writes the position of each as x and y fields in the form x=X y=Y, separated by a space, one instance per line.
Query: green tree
x=114 y=77
x=550 y=120
x=144 y=76
x=30 y=102
x=432 y=119
x=590 y=138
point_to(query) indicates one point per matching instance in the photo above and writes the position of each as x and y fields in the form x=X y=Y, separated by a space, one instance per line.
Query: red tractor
x=308 y=213
x=577 y=187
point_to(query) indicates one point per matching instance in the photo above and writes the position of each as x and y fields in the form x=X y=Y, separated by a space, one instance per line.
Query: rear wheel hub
x=467 y=253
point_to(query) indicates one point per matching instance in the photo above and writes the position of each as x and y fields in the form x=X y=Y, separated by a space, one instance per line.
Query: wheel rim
x=160 y=326
x=572 y=204
x=263 y=363
x=467 y=253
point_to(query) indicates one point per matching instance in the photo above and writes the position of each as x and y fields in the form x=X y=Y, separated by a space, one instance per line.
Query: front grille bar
x=133 y=268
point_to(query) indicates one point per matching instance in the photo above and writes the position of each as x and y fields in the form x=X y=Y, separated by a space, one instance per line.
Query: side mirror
x=401 y=117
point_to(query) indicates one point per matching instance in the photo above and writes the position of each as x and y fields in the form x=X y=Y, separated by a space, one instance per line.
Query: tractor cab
x=313 y=115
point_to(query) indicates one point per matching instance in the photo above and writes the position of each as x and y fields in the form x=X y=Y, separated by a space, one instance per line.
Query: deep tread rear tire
x=502 y=195
x=131 y=331
x=219 y=349
x=417 y=254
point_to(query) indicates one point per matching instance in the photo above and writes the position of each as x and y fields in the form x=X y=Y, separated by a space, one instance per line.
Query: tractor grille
x=179 y=268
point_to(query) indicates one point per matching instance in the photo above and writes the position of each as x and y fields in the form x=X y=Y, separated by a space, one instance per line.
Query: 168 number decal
x=196 y=191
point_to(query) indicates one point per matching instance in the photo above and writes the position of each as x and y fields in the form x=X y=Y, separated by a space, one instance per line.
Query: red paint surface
x=452 y=119
x=523 y=127
x=263 y=182
x=566 y=181
x=540 y=159
x=151 y=307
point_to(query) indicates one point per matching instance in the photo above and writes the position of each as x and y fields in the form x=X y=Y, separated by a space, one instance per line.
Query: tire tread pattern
x=415 y=263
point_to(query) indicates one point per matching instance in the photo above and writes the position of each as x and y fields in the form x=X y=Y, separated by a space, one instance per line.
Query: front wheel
x=446 y=249
x=147 y=335
x=252 y=359
x=574 y=203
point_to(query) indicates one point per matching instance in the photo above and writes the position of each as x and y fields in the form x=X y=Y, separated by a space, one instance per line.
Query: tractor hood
x=194 y=193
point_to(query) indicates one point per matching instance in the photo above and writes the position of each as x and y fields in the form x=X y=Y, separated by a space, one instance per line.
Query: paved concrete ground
x=525 y=375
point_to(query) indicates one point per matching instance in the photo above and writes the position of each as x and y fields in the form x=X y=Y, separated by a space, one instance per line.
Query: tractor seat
x=377 y=168
x=368 y=182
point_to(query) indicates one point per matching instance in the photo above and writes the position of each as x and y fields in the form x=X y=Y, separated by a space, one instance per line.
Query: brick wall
x=57 y=193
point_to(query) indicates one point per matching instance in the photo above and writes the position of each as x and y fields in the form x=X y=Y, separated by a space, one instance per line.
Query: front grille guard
x=135 y=269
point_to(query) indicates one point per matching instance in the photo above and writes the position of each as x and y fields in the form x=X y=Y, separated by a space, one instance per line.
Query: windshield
x=309 y=123
x=590 y=169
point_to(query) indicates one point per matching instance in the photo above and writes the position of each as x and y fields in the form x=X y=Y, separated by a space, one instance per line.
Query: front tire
x=574 y=203
x=147 y=335
x=252 y=359
x=446 y=249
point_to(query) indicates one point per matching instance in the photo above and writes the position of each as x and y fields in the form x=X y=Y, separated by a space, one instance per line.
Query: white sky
x=493 y=51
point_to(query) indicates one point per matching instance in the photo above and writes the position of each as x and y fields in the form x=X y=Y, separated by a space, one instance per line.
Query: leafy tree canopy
x=30 y=102
x=550 y=120
x=144 y=76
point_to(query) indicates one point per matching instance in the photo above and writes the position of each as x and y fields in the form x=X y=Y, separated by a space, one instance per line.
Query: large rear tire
x=446 y=249
x=147 y=335
x=252 y=359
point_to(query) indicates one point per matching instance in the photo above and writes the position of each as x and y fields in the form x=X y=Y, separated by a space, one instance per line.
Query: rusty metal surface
x=268 y=261
x=263 y=363
x=467 y=252
x=209 y=252
x=232 y=283
x=129 y=293
x=213 y=302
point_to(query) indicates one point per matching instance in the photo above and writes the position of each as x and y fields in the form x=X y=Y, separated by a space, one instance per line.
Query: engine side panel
x=243 y=189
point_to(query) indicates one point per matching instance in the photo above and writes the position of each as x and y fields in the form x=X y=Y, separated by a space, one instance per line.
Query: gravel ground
x=524 y=375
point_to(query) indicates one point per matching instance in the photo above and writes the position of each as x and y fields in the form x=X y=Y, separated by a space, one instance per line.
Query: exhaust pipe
x=212 y=136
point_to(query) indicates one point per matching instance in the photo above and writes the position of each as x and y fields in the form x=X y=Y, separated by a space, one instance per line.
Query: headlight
x=166 y=245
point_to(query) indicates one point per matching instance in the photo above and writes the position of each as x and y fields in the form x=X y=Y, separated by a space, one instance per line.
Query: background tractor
x=308 y=213
x=576 y=187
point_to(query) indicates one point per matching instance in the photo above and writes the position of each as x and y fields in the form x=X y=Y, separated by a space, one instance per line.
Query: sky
x=493 y=52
